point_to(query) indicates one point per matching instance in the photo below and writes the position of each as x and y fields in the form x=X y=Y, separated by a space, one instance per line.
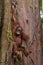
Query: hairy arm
x=25 y=36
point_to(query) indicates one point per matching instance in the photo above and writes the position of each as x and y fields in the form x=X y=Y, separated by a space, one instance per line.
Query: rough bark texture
x=29 y=19
x=0 y=25
x=31 y=13
x=4 y=30
x=42 y=46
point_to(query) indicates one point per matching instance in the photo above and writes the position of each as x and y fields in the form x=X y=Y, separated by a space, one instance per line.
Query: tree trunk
x=29 y=19
x=30 y=10
x=4 y=30
x=1 y=23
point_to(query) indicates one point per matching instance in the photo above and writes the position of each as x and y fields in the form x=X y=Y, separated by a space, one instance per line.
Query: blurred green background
x=41 y=13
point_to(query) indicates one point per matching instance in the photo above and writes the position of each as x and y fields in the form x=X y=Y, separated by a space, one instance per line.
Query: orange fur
x=18 y=45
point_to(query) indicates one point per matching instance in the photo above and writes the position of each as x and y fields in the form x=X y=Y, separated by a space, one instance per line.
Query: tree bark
x=30 y=10
x=7 y=19
x=29 y=18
